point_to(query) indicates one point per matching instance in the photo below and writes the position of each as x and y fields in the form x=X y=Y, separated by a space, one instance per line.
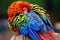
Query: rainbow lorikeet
x=30 y=20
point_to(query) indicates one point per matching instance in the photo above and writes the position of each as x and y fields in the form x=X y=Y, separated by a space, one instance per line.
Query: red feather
x=15 y=29
x=16 y=7
x=47 y=36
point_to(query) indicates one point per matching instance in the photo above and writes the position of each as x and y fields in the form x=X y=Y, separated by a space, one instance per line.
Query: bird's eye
x=17 y=14
x=21 y=15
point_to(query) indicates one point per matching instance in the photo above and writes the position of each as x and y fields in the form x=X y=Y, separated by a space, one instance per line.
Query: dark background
x=52 y=6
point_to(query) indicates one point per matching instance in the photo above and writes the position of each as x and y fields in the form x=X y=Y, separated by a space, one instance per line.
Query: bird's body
x=30 y=20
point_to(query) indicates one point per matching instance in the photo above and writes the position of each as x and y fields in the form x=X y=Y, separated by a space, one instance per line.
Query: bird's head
x=17 y=14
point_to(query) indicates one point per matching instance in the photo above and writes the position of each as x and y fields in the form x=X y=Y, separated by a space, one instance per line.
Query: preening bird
x=30 y=20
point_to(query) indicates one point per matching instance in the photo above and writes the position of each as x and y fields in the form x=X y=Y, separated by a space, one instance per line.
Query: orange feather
x=16 y=7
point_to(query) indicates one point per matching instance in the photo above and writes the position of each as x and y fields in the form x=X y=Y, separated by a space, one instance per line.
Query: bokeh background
x=52 y=7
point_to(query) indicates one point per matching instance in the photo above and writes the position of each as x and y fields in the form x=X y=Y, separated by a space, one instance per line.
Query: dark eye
x=17 y=14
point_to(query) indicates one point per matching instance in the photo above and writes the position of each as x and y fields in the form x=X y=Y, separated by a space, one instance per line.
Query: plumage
x=30 y=20
x=41 y=12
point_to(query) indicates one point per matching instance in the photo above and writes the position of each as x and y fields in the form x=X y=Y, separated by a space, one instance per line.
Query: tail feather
x=47 y=36
x=53 y=36
x=43 y=36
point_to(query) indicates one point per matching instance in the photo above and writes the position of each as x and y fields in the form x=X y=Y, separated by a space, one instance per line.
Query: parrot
x=30 y=20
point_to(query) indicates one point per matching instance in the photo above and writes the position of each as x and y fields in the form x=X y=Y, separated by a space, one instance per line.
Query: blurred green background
x=52 y=7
